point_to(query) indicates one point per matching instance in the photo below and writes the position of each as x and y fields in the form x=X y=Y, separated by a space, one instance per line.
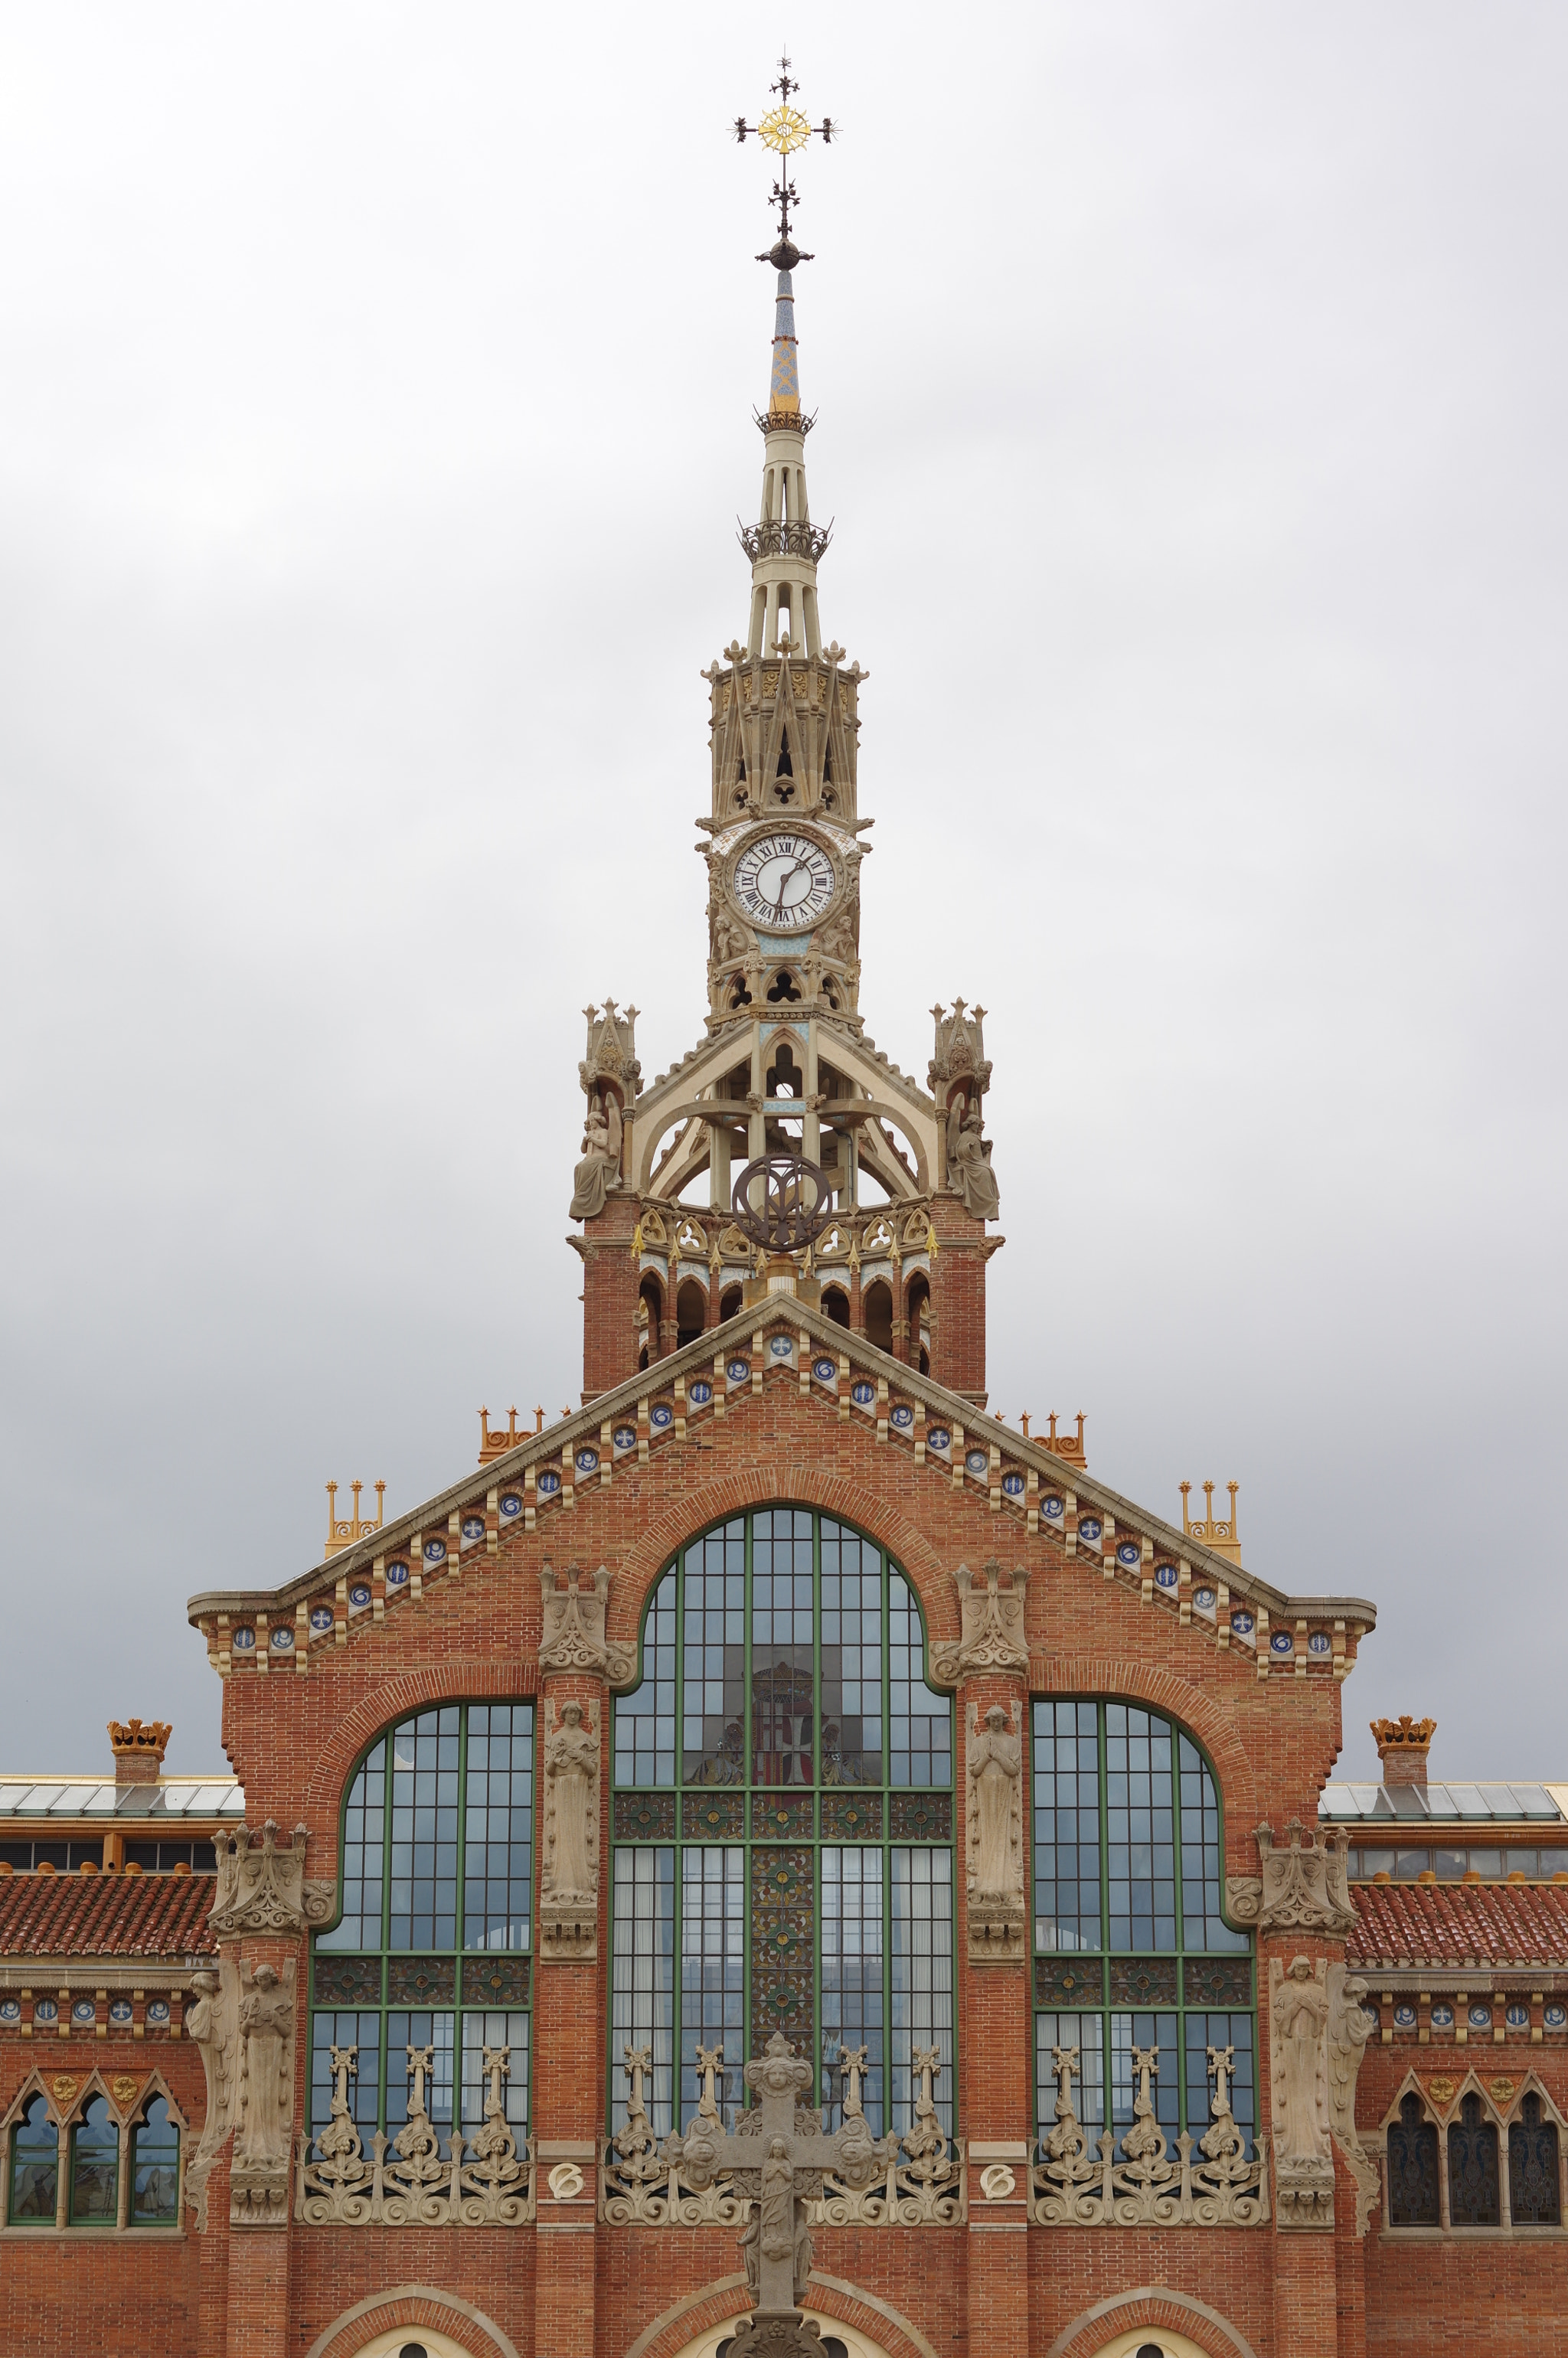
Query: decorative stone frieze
x=994 y=1845
x=573 y=1636
x=1210 y=2183
x=568 y=1881
x=1298 y=2042
x=262 y=1888
x=407 y=2181
x=991 y=1626
x=1303 y=1888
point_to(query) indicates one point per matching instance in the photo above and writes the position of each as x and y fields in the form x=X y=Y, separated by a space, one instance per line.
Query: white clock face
x=784 y=881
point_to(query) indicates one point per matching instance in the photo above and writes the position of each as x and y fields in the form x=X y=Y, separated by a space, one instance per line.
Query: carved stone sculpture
x=568 y=1911
x=1303 y=2161
x=261 y=1888
x=994 y=1771
x=573 y=1634
x=259 y=2180
x=212 y=2025
x=1350 y=2029
x=991 y=1626
x=969 y=1161
x=599 y=1169
x=1303 y=1888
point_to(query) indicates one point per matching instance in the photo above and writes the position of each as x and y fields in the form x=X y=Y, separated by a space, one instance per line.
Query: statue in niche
x=969 y=1173
x=571 y=1764
x=995 y=1768
x=599 y=1170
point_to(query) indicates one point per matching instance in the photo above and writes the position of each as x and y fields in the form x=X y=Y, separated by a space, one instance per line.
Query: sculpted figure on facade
x=994 y=1768
x=599 y=1170
x=212 y=2025
x=1298 y=2028
x=1350 y=2029
x=570 y=1876
x=260 y=1887
x=991 y=1633
x=969 y=1173
x=572 y=1632
x=1303 y=1888
x=260 y=2180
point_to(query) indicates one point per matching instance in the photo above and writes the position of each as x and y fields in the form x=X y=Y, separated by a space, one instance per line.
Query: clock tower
x=890 y=1185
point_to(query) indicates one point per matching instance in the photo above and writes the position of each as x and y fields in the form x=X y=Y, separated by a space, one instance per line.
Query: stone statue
x=1298 y=2024
x=599 y=1170
x=1350 y=2029
x=259 y=2182
x=568 y=1897
x=212 y=2025
x=994 y=1767
x=969 y=1170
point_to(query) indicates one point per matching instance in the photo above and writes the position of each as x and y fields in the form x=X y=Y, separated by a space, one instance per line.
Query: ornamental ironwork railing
x=1210 y=2183
x=407 y=2181
x=923 y=2183
x=784 y=536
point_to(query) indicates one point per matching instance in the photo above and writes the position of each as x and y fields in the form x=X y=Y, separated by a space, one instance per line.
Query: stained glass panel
x=1534 y=2197
x=1474 y=2196
x=1413 y=2167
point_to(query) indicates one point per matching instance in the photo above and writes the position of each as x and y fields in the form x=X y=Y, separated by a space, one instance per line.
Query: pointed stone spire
x=784 y=545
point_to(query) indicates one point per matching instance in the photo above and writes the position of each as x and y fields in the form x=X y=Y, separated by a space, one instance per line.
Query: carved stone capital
x=1304 y=1887
x=573 y=1636
x=260 y=1887
x=991 y=1634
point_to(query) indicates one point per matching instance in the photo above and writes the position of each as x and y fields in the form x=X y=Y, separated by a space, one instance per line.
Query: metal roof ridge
x=782 y=1310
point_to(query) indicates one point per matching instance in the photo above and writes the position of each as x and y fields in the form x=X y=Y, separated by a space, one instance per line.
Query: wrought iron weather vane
x=785 y=130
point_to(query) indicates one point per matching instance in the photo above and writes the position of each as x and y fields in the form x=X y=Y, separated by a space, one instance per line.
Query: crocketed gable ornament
x=991 y=1626
x=262 y=1887
x=1303 y=1888
x=573 y=1637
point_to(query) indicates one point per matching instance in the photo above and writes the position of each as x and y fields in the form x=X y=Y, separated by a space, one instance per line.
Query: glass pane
x=642 y=1999
x=646 y=1719
x=922 y=1978
x=424 y=1863
x=1140 y=1826
x=362 y=2033
x=1066 y=1826
x=502 y=2034
x=782 y=1714
x=35 y=2166
x=920 y=1730
x=713 y=1658
x=851 y=1920
x=155 y=2169
x=1202 y=1860
x=1220 y=2031
x=1080 y=2038
x=1151 y=2036
x=498 y=1830
x=713 y=1973
x=852 y=1651
x=364 y=1821
x=96 y=2165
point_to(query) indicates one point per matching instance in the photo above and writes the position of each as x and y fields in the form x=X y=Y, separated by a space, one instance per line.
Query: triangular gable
x=669 y=1406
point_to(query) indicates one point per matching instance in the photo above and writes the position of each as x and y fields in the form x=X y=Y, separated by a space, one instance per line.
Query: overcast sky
x=375 y=391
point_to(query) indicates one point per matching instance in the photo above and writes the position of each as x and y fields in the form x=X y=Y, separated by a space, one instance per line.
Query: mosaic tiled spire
x=784 y=392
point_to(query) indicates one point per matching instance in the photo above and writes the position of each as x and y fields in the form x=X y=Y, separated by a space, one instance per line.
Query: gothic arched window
x=782 y=1823
x=1474 y=2194
x=95 y=2166
x=1131 y=1951
x=1533 y=2186
x=155 y=2167
x=35 y=2166
x=432 y=1947
x=1413 y=2167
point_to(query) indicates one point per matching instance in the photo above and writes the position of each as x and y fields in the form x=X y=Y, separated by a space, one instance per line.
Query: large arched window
x=783 y=1824
x=1131 y=1951
x=432 y=1949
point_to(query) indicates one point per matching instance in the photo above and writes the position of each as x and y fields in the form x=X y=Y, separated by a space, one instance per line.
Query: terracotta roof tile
x=1460 y=1923
x=106 y=1915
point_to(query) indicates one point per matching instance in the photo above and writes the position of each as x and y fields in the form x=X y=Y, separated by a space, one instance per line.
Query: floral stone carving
x=261 y=1886
x=991 y=1626
x=407 y=2181
x=568 y=1883
x=573 y=1635
x=1303 y=1888
x=1298 y=2057
x=1209 y=2184
x=994 y=1771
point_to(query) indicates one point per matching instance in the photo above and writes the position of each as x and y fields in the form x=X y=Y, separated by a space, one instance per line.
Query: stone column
x=999 y=2109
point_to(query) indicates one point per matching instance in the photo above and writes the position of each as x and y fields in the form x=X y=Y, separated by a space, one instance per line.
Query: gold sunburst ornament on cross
x=784 y=130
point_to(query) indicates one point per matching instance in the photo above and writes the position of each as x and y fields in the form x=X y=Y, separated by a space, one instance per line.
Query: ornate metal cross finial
x=784 y=129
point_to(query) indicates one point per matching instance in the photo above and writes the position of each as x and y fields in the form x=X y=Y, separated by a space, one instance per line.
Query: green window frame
x=432 y=1945
x=782 y=1840
x=1132 y=1947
